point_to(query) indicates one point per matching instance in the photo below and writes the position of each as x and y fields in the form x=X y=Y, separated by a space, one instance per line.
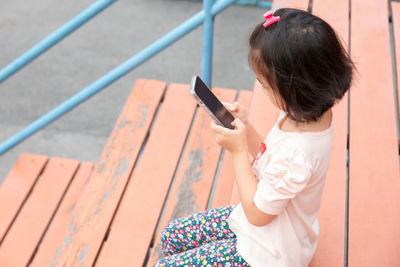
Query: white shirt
x=291 y=177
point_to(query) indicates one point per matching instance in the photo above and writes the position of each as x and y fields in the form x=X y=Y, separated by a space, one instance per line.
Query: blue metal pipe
x=258 y=3
x=54 y=38
x=113 y=75
x=207 y=43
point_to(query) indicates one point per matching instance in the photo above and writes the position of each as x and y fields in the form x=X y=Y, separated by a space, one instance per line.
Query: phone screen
x=213 y=104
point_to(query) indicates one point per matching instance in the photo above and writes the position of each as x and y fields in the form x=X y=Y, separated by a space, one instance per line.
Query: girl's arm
x=247 y=186
x=254 y=140
x=235 y=141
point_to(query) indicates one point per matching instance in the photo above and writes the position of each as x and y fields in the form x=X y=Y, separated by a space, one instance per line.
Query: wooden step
x=63 y=219
x=20 y=242
x=374 y=163
x=16 y=187
x=92 y=214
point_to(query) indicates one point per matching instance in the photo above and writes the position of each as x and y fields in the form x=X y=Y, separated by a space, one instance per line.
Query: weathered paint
x=124 y=122
x=101 y=165
x=96 y=205
x=130 y=234
x=195 y=177
x=83 y=253
x=72 y=230
x=24 y=236
x=186 y=198
x=143 y=112
x=122 y=167
x=186 y=203
x=70 y=199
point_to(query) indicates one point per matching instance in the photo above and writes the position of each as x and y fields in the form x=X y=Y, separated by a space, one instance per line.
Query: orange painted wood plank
x=95 y=209
x=193 y=182
x=330 y=249
x=374 y=163
x=16 y=187
x=301 y=4
x=23 y=237
x=226 y=179
x=61 y=221
x=136 y=220
x=262 y=115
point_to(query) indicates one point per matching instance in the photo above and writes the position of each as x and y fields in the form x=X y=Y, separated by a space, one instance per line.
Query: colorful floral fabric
x=202 y=239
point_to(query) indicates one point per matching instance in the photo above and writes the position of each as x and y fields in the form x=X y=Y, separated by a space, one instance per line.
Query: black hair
x=303 y=60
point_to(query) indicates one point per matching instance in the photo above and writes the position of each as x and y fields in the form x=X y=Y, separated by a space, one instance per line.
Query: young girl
x=304 y=70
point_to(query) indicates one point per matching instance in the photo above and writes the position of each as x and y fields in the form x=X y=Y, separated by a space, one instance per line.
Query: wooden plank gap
x=157 y=229
x=310 y=5
x=216 y=178
x=54 y=213
x=106 y=235
x=28 y=230
x=347 y=192
x=218 y=170
x=146 y=138
x=179 y=164
x=347 y=198
x=138 y=158
x=62 y=217
x=394 y=30
x=23 y=202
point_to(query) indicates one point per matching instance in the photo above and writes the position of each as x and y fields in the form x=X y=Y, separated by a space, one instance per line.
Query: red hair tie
x=270 y=18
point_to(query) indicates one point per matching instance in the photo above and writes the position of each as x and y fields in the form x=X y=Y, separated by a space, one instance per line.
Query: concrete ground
x=111 y=37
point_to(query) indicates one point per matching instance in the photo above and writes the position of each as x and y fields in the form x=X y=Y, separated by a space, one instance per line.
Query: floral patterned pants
x=202 y=239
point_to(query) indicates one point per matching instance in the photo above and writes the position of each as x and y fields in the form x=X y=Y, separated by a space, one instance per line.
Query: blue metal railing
x=207 y=44
x=264 y=4
x=54 y=38
x=258 y=3
x=205 y=16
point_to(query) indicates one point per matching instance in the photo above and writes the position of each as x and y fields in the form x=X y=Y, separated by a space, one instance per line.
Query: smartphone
x=210 y=103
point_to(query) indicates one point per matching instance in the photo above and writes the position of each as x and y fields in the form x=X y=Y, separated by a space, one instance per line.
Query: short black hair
x=304 y=61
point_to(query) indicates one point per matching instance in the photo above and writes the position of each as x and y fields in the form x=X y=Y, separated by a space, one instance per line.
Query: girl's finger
x=236 y=106
x=217 y=137
x=220 y=129
x=237 y=123
x=213 y=125
x=216 y=127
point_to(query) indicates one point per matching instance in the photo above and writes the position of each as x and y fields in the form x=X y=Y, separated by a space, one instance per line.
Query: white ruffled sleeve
x=284 y=176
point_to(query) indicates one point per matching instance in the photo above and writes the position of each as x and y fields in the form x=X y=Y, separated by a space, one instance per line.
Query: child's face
x=273 y=98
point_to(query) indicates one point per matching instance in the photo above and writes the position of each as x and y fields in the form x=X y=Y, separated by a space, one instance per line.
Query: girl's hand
x=232 y=140
x=237 y=110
